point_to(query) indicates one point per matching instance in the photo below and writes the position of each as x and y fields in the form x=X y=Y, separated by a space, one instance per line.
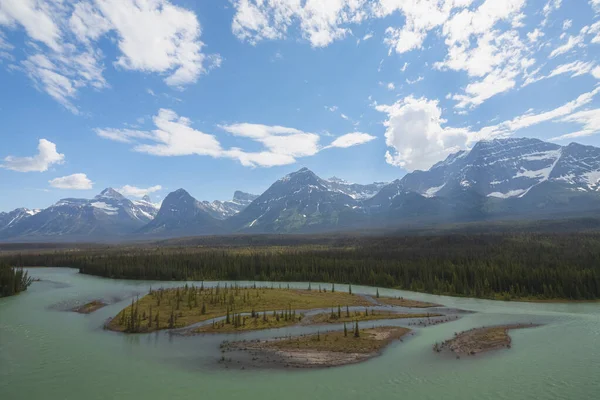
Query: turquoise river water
x=48 y=353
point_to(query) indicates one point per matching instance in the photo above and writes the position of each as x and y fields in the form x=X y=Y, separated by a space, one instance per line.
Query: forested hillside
x=510 y=266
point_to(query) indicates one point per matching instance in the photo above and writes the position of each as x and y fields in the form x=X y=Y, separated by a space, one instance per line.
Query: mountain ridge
x=495 y=179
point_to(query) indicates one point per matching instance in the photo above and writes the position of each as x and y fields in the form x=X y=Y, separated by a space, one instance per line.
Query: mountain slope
x=14 y=217
x=107 y=214
x=224 y=209
x=180 y=214
x=298 y=202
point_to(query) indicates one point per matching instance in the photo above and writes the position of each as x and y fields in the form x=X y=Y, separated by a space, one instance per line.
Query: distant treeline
x=12 y=280
x=508 y=266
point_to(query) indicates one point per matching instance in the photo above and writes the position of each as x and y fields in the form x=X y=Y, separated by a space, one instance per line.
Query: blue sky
x=151 y=95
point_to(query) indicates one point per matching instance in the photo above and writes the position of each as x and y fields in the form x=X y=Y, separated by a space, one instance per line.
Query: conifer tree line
x=13 y=280
x=505 y=266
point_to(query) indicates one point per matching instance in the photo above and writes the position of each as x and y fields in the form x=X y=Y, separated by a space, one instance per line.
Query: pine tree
x=377 y=295
x=356 y=330
x=350 y=289
x=345 y=330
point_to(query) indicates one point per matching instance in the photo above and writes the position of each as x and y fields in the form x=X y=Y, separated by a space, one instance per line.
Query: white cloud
x=588 y=119
x=421 y=16
x=595 y=5
x=412 y=82
x=535 y=35
x=344 y=116
x=153 y=36
x=46 y=156
x=174 y=136
x=391 y=86
x=418 y=136
x=74 y=182
x=135 y=191
x=569 y=45
x=491 y=58
x=574 y=68
x=549 y=8
x=352 y=139
x=404 y=67
x=332 y=108
x=320 y=22
x=567 y=24
x=278 y=139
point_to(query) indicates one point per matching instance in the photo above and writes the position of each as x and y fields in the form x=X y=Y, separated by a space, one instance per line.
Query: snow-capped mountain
x=300 y=201
x=8 y=219
x=504 y=168
x=355 y=190
x=502 y=178
x=224 y=209
x=181 y=214
x=539 y=173
x=109 y=213
x=146 y=206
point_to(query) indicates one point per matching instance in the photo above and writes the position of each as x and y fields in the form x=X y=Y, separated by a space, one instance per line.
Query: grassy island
x=480 y=340
x=184 y=306
x=321 y=349
x=89 y=307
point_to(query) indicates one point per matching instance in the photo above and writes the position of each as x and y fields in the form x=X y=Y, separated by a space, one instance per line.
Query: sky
x=148 y=96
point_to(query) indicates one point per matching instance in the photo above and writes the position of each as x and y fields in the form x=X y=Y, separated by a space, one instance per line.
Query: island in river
x=479 y=340
x=327 y=349
x=239 y=308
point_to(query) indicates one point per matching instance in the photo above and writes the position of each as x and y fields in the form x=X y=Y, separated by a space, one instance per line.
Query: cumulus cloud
x=418 y=136
x=74 y=182
x=152 y=36
x=174 y=136
x=134 y=191
x=47 y=155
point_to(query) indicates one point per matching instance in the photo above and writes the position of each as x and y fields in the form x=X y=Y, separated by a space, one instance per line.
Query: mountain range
x=496 y=179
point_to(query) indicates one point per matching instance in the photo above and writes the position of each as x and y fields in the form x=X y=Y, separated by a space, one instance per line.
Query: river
x=48 y=353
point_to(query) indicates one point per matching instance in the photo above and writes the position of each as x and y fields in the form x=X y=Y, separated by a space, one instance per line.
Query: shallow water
x=51 y=354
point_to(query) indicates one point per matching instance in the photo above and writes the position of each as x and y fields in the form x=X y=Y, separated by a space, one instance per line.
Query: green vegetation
x=180 y=307
x=13 y=280
x=498 y=266
x=368 y=315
